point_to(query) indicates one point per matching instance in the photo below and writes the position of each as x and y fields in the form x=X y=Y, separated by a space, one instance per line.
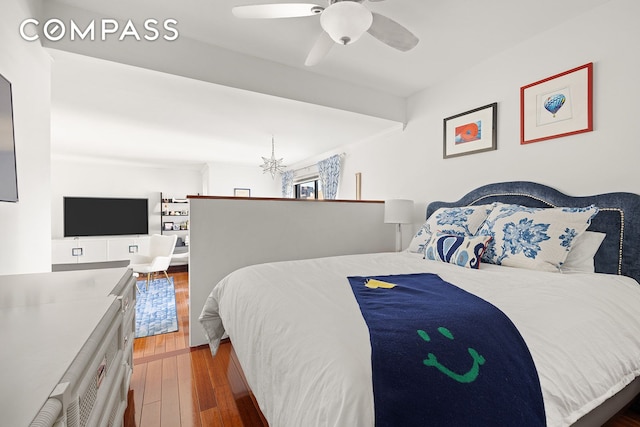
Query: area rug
x=156 y=308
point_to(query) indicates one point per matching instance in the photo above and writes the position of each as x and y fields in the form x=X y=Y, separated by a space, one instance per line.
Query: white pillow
x=460 y=221
x=534 y=238
x=580 y=257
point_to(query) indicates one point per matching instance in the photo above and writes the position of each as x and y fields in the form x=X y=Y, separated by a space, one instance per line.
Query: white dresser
x=67 y=347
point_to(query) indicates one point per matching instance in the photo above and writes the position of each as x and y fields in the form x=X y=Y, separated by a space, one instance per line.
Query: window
x=308 y=190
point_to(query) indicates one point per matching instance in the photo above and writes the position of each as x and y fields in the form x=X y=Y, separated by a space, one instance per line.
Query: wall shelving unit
x=174 y=217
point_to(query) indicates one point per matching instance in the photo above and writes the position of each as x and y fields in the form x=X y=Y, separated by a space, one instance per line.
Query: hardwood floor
x=629 y=418
x=175 y=386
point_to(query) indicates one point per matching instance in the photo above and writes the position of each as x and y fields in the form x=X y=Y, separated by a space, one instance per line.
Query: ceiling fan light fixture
x=346 y=21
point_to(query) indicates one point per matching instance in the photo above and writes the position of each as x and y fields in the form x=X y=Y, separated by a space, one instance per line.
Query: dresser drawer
x=88 y=382
x=116 y=403
x=127 y=335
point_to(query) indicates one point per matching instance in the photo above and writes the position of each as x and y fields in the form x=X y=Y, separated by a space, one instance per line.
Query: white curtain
x=287 y=184
x=329 y=174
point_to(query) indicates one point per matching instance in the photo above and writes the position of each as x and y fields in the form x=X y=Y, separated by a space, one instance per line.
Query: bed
x=300 y=333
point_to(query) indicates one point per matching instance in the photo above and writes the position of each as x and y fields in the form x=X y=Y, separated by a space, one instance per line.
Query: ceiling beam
x=206 y=62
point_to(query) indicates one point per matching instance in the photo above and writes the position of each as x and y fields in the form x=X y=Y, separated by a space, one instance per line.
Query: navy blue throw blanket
x=442 y=356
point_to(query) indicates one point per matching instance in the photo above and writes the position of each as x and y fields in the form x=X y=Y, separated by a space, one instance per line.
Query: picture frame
x=9 y=181
x=242 y=192
x=167 y=226
x=560 y=105
x=471 y=132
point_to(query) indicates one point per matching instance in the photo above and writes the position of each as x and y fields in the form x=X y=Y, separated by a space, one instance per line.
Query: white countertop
x=46 y=288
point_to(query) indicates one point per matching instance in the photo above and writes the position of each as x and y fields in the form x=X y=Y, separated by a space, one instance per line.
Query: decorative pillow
x=584 y=248
x=460 y=221
x=534 y=238
x=420 y=239
x=459 y=250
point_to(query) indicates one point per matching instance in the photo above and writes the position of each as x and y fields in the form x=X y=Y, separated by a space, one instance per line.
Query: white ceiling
x=118 y=111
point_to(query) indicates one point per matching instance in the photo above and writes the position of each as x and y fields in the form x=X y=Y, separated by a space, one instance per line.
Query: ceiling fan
x=342 y=21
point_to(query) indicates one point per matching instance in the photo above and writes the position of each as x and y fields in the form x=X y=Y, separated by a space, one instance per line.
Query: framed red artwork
x=470 y=132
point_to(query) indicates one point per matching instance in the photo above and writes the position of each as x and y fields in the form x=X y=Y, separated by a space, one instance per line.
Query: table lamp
x=398 y=211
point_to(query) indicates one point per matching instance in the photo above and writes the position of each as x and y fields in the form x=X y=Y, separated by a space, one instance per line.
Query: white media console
x=67 y=347
x=94 y=249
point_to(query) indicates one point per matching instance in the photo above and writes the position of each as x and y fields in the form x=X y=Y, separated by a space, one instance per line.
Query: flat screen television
x=8 y=174
x=100 y=216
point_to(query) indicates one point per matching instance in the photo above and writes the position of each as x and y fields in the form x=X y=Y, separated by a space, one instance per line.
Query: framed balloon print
x=473 y=131
x=559 y=105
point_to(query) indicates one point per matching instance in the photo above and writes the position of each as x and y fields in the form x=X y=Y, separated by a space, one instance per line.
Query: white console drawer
x=63 y=251
x=81 y=250
x=123 y=248
x=74 y=251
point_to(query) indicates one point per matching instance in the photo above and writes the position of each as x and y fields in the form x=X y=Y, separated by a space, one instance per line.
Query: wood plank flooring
x=175 y=386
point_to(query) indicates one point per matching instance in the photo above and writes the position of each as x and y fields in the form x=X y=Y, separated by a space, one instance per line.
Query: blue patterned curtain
x=287 y=184
x=329 y=171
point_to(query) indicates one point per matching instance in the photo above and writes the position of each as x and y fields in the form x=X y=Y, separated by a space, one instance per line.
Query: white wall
x=409 y=164
x=240 y=232
x=77 y=177
x=25 y=230
x=220 y=179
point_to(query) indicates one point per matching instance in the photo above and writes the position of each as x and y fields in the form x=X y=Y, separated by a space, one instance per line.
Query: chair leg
x=148 y=277
x=166 y=275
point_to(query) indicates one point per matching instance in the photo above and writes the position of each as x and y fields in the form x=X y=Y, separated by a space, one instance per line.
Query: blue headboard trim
x=619 y=218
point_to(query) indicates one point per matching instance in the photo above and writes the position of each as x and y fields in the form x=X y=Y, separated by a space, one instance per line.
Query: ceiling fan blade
x=320 y=49
x=277 y=10
x=391 y=33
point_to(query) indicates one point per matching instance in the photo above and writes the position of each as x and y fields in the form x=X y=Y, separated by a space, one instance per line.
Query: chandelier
x=272 y=165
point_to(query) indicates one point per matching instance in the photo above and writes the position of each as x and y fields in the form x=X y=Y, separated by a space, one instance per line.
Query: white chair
x=160 y=252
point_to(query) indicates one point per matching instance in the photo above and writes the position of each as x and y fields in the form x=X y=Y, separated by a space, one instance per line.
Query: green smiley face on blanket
x=431 y=359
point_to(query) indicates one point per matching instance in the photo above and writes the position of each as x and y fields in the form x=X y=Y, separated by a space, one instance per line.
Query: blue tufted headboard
x=619 y=218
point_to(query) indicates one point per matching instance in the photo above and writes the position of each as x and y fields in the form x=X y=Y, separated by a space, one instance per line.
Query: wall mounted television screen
x=8 y=174
x=99 y=216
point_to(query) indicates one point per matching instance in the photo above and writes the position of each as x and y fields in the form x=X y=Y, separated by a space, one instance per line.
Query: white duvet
x=304 y=346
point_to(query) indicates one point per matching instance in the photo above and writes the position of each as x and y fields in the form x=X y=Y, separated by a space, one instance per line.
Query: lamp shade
x=398 y=211
x=346 y=21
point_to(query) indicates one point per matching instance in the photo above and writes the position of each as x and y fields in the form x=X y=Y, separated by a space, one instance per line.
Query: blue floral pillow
x=464 y=251
x=534 y=238
x=461 y=221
